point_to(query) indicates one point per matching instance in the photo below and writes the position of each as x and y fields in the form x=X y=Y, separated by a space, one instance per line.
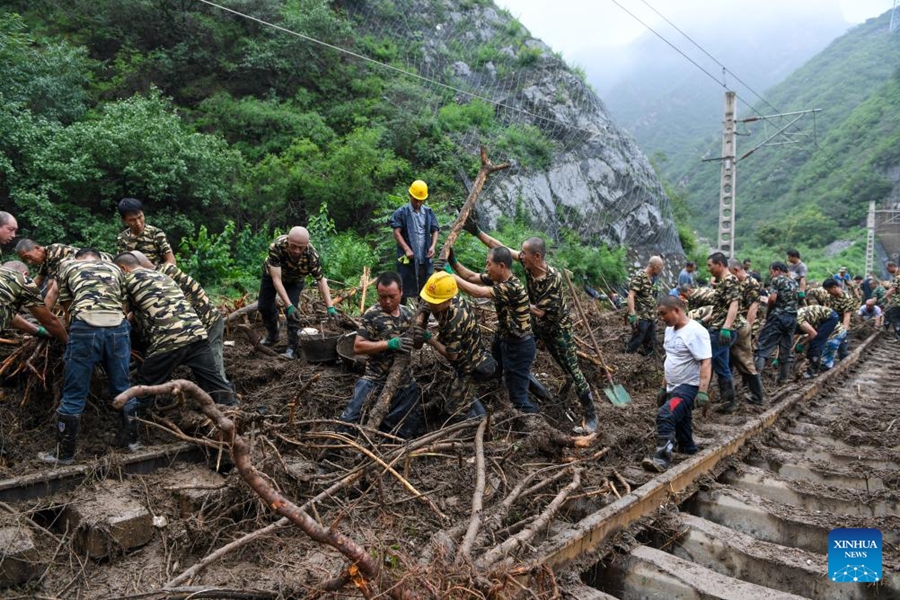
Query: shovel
x=615 y=392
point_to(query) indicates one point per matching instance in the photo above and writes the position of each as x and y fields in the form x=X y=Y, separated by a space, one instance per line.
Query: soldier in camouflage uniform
x=92 y=292
x=381 y=336
x=824 y=334
x=514 y=346
x=195 y=294
x=18 y=292
x=698 y=298
x=139 y=236
x=742 y=350
x=781 y=321
x=459 y=341
x=892 y=300
x=723 y=324
x=176 y=335
x=291 y=259
x=550 y=317
x=642 y=297
x=48 y=259
x=844 y=304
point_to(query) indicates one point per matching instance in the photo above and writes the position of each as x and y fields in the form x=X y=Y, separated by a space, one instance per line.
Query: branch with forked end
x=240 y=454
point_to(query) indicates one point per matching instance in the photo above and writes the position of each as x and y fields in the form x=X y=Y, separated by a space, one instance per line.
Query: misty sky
x=591 y=34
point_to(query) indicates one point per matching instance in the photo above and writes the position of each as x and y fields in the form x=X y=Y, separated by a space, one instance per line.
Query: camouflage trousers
x=742 y=353
x=461 y=394
x=561 y=346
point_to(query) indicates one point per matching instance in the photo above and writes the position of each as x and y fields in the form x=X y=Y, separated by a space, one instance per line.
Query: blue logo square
x=854 y=555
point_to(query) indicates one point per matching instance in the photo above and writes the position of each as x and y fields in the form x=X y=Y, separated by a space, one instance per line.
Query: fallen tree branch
x=245 y=310
x=499 y=551
x=254 y=340
x=240 y=454
x=189 y=593
x=465 y=548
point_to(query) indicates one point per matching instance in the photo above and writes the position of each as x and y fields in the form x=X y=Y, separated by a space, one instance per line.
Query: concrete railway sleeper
x=826 y=457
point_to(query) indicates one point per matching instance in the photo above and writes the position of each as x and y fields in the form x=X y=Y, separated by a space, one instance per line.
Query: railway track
x=749 y=518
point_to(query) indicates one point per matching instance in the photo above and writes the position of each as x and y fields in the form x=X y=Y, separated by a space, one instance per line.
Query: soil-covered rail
x=756 y=525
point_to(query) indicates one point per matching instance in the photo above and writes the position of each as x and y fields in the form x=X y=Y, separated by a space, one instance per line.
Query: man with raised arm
x=551 y=318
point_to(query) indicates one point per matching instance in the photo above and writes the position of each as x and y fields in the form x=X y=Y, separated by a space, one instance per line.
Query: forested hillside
x=813 y=192
x=230 y=130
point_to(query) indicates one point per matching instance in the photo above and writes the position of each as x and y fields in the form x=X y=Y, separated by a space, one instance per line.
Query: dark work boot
x=539 y=391
x=66 y=438
x=784 y=372
x=589 y=424
x=271 y=335
x=662 y=458
x=128 y=437
x=754 y=384
x=727 y=396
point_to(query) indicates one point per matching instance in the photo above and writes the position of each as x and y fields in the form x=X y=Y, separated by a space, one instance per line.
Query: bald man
x=8 y=228
x=291 y=260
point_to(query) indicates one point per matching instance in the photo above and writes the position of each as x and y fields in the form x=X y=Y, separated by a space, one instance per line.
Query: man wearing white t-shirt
x=688 y=370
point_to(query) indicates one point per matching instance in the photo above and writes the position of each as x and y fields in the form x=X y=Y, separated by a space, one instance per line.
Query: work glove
x=332 y=312
x=632 y=320
x=42 y=332
x=293 y=314
x=451 y=256
x=798 y=349
x=801 y=294
x=439 y=264
x=724 y=336
x=661 y=396
x=403 y=260
x=400 y=344
x=420 y=336
x=700 y=399
x=471 y=224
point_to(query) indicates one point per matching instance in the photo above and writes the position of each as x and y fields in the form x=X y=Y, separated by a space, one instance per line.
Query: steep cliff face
x=596 y=181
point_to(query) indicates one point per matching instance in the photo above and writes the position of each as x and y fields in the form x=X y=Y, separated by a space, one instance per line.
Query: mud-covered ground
x=288 y=432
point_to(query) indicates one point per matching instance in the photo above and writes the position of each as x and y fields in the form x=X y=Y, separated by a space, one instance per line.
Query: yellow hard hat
x=418 y=190
x=440 y=287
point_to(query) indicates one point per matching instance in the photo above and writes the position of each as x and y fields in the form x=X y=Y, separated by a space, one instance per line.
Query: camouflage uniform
x=513 y=347
x=701 y=297
x=152 y=243
x=209 y=315
x=17 y=292
x=554 y=329
x=176 y=335
x=405 y=413
x=646 y=296
x=892 y=314
x=727 y=290
x=94 y=292
x=778 y=330
x=742 y=350
x=294 y=272
x=458 y=332
x=54 y=255
x=829 y=335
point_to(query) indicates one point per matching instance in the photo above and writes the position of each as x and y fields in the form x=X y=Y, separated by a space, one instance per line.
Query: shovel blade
x=617 y=395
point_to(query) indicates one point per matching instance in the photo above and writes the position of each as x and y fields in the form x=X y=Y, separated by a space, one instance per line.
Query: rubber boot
x=760 y=364
x=662 y=458
x=66 y=438
x=727 y=396
x=589 y=424
x=129 y=437
x=784 y=372
x=477 y=411
x=754 y=384
x=539 y=391
x=813 y=369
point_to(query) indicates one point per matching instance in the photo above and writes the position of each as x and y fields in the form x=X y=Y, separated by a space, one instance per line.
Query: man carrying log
x=195 y=294
x=290 y=261
x=92 y=291
x=459 y=341
x=381 y=337
x=688 y=370
x=176 y=336
x=550 y=317
x=514 y=346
